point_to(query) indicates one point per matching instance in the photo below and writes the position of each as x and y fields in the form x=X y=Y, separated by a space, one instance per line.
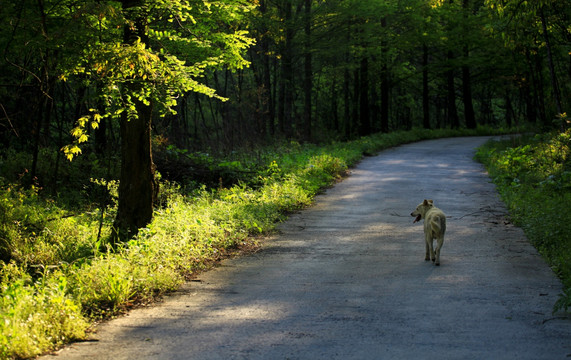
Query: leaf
x=77 y=132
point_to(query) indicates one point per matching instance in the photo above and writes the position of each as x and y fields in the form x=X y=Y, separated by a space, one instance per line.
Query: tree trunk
x=347 y=101
x=556 y=92
x=356 y=99
x=334 y=107
x=425 y=89
x=469 y=116
x=384 y=85
x=348 y=129
x=510 y=114
x=308 y=77
x=286 y=91
x=269 y=113
x=539 y=90
x=364 y=113
x=530 y=104
x=453 y=119
x=467 y=96
x=452 y=112
x=137 y=187
x=45 y=96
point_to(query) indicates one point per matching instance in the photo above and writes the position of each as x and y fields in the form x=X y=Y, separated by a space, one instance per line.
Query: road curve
x=346 y=279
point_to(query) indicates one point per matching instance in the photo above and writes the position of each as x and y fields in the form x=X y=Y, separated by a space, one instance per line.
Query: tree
x=530 y=29
x=165 y=48
x=138 y=187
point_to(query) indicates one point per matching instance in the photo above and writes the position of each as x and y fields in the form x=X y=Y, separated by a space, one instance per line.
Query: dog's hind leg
x=429 y=248
x=439 y=242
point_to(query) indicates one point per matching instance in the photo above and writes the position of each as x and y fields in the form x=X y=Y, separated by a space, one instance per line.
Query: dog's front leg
x=427 y=257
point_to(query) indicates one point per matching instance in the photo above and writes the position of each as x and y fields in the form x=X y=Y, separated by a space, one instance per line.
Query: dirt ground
x=346 y=279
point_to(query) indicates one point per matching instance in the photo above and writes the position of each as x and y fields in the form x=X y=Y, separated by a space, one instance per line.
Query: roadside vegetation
x=533 y=176
x=63 y=276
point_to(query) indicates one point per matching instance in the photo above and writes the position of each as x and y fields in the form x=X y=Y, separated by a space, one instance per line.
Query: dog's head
x=421 y=210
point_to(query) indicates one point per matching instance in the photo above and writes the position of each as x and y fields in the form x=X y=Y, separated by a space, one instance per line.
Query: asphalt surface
x=346 y=279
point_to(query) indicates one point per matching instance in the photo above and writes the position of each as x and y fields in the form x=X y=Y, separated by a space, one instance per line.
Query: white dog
x=434 y=228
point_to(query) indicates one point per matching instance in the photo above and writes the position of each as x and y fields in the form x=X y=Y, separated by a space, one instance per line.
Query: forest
x=203 y=123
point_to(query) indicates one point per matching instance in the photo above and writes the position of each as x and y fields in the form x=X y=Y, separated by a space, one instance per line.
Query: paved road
x=346 y=279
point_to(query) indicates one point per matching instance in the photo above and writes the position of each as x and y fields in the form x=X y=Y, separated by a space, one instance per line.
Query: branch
x=9 y=122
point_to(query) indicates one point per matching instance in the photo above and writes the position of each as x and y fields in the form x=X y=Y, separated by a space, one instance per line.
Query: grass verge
x=533 y=176
x=59 y=281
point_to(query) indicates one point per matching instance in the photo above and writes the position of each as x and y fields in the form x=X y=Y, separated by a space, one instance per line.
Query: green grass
x=533 y=176
x=61 y=277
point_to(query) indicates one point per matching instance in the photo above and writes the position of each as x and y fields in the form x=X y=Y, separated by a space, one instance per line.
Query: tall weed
x=36 y=317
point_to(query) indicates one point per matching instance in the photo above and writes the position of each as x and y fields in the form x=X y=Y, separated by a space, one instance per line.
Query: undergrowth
x=533 y=176
x=58 y=276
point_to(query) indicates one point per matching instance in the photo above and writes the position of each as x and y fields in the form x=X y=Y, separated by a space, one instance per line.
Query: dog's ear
x=425 y=202
x=431 y=202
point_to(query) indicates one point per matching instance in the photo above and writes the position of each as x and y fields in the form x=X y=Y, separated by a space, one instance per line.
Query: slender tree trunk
x=137 y=187
x=270 y=101
x=334 y=106
x=281 y=102
x=530 y=105
x=65 y=91
x=356 y=99
x=556 y=92
x=510 y=115
x=425 y=89
x=36 y=131
x=384 y=85
x=533 y=105
x=467 y=96
x=375 y=109
x=308 y=77
x=347 y=92
x=384 y=99
x=286 y=94
x=45 y=97
x=539 y=90
x=347 y=102
x=266 y=107
x=274 y=96
x=453 y=119
x=469 y=116
x=364 y=113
